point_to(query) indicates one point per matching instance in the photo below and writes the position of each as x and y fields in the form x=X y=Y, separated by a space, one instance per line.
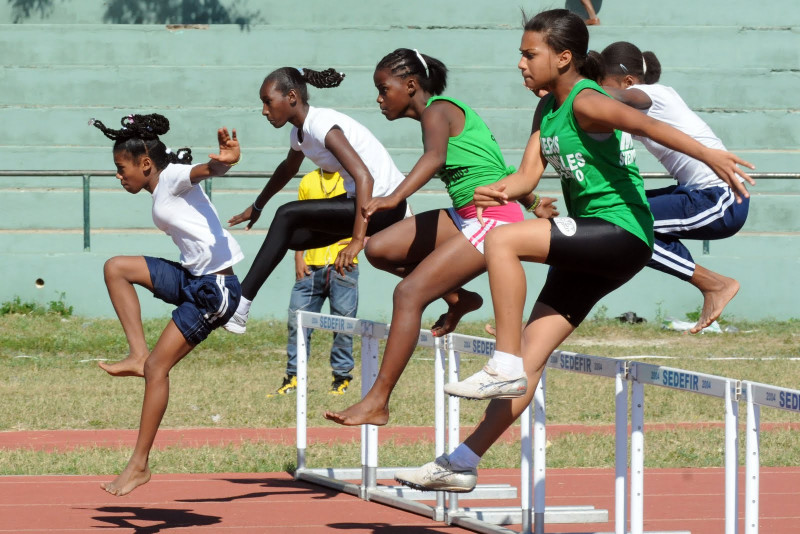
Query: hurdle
x=678 y=379
x=758 y=395
x=531 y=515
x=369 y=473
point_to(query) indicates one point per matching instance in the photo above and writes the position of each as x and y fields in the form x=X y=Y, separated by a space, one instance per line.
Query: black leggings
x=309 y=224
x=589 y=258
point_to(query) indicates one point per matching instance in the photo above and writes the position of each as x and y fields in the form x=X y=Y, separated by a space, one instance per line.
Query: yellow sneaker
x=339 y=385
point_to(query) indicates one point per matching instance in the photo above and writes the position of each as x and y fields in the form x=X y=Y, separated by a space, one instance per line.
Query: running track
x=675 y=499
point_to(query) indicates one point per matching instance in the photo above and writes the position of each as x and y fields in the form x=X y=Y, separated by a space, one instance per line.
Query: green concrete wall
x=736 y=63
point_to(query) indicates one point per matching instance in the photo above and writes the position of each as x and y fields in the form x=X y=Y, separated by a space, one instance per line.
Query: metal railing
x=87 y=175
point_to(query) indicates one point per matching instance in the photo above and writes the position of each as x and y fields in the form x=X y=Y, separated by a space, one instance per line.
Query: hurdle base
x=505 y=515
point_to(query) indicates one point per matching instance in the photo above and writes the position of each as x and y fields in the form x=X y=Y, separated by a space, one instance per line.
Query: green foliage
x=55 y=307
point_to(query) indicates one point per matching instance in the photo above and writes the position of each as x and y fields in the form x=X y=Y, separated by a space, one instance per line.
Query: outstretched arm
x=597 y=113
x=283 y=173
x=229 y=154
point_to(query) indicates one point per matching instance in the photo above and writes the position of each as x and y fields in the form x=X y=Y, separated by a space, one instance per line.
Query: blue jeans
x=308 y=294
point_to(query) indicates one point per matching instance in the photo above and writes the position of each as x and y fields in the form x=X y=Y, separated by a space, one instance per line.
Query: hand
x=726 y=166
x=488 y=195
x=344 y=260
x=250 y=214
x=546 y=208
x=378 y=204
x=301 y=269
x=229 y=150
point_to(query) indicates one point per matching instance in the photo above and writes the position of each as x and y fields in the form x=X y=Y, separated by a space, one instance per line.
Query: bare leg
x=545 y=332
x=169 y=350
x=451 y=264
x=121 y=273
x=717 y=292
x=400 y=248
x=592 y=14
x=505 y=248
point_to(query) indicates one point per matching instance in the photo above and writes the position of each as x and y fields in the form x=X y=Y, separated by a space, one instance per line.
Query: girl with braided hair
x=437 y=251
x=336 y=143
x=202 y=285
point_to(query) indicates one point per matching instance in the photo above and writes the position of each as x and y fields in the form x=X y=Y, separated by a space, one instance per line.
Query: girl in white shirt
x=336 y=143
x=700 y=205
x=202 y=285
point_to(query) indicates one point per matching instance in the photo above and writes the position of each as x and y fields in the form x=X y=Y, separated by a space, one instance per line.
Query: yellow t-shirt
x=318 y=184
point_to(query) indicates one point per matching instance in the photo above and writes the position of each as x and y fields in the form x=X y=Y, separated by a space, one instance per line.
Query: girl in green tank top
x=431 y=250
x=604 y=242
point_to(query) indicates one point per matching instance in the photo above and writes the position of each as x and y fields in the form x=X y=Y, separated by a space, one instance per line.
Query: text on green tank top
x=599 y=178
x=473 y=157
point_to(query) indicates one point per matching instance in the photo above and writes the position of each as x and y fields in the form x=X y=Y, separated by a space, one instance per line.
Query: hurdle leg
x=752 y=464
x=637 y=459
x=302 y=395
x=731 y=458
x=539 y=447
x=369 y=433
x=621 y=448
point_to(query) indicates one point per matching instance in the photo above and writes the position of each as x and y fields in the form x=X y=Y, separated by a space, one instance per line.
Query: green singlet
x=473 y=157
x=598 y=178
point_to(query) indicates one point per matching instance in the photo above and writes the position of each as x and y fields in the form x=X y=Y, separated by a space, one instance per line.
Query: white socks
x=506 y=364
x=463 y=459
x=244 y=306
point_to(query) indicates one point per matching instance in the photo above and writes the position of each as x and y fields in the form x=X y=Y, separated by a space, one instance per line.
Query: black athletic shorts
x=589 y=258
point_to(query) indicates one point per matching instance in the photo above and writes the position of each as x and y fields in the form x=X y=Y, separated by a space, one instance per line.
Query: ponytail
x=288 y=78
x=623 y=58
x=139 y=137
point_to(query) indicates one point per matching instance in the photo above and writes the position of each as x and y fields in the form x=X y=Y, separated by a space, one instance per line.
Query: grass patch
x=49 y=380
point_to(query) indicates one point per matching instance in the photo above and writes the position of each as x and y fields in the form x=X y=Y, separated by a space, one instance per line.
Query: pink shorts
x=467 y=221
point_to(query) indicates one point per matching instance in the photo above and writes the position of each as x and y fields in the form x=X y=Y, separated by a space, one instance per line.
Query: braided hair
x=404 y=62
x=139 y=137
x=288 y=78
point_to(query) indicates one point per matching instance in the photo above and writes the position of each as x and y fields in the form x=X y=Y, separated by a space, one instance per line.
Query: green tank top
x=473 y=157
x=598 y=178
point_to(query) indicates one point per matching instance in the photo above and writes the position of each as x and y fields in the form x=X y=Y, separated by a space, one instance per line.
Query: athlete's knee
x=409 y=292
x=115 y=268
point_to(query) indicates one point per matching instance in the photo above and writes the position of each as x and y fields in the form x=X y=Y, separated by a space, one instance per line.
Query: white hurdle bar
x=758 y=395
x=337 y=478
x=715 y=386
x=531 y=515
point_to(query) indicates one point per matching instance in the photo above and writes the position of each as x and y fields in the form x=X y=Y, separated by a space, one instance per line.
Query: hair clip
x=92 y=121
x=624 y=69
x=422 y=60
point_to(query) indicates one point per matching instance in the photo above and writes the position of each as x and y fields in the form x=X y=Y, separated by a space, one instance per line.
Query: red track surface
x=675 y=499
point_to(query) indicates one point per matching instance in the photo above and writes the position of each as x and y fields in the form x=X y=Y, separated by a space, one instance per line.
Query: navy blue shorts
x=203 y=302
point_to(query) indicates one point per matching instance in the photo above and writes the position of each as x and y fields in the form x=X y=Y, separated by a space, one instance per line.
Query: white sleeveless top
x=669 y=107
x=319 y=122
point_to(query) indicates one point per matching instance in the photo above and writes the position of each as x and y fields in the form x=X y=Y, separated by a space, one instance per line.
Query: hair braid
x=324 y=79
x=139 y=135
x=405 y=62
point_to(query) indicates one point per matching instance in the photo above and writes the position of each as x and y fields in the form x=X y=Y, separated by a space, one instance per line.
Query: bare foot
x=130 y=479
x=361 y=413
x=447 y=322
x=717 y=292
x=490 y=330
x=130 y=366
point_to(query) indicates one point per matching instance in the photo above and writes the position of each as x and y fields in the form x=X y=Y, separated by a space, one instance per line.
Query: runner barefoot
x=700 y=205
x=202 y=285
x=435 y=252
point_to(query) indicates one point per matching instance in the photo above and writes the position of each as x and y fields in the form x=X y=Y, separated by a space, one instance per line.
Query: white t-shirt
x=184 y=212
x=669 y=107
x=319 y=122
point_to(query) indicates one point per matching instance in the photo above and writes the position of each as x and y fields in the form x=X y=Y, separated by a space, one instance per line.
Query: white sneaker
x=237 y=324
x=488 y=384
x=439 y=475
